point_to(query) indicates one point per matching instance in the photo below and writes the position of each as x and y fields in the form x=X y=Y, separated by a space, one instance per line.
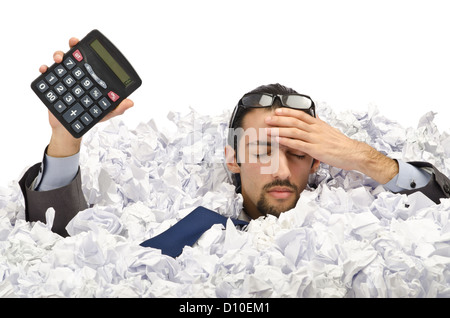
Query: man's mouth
x=280 y=192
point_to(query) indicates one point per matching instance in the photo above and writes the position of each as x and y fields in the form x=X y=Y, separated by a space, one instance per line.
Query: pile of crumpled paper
x=347 y=236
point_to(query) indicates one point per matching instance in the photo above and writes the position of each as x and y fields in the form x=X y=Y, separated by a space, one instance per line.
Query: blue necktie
x=187 y=231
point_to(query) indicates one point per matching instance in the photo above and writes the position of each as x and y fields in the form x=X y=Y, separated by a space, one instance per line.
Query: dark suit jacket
x=69 y=200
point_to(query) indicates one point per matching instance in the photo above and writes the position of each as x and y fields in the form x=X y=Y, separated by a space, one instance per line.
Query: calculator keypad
x=72 y=89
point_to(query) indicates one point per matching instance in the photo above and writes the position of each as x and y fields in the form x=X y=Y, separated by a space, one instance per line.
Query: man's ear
x=230 y=159
x=315 y=165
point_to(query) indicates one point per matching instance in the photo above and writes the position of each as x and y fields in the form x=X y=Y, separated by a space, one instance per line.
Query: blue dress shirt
x=408 y=178
x=56 y=172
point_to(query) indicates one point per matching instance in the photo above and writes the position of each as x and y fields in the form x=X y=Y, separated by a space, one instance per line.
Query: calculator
x=92 y=80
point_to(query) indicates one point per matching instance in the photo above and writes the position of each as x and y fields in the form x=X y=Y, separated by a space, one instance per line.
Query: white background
x=206 y=54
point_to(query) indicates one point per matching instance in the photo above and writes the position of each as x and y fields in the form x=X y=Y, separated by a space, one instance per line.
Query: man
x=300 y=142
x=303 y=141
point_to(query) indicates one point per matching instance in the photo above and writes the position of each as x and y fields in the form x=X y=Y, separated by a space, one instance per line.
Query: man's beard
x=264 y=207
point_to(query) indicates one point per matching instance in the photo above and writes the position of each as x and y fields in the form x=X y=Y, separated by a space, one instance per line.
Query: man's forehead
x=255 y=118
x=254 y=136
x=254 y=128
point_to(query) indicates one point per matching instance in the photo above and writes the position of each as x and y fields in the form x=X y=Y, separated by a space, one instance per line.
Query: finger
x=43 y=69
x=296 y=113
x=73 y=42
x=291 y=133
x=287 y=121
x=58 y=56
x=119 y=110
x=297 y=144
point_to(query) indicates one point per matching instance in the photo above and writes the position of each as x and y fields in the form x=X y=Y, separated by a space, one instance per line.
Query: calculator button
x=70 y=115
x=42 y=86
x=95 y=111
x=59 y=106
x=69 y=63
x=102 y=84
x=86 y=119
x=60 y=70
x=51 y=97
x=89 y=68
x=95 y=93
x=94 y=76
x=60 y=89
x=51 y=78
x=78 y=73
x=77 y=55
x=69 y=99
x=104 y=103
x=113 y=96
x=87 y=83
x=87 y=101
x=78 y=91
x=69 y=81
x=77 y=126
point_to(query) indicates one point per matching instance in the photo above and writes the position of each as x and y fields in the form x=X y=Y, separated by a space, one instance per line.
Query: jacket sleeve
x=437 y=188
x=67 y=201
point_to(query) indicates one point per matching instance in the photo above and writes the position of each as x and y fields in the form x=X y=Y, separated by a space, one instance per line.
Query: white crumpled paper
x=346 y=238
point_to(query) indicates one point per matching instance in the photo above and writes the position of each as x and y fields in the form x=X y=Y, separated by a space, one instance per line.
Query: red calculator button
x=77 y=55
x=113 y=96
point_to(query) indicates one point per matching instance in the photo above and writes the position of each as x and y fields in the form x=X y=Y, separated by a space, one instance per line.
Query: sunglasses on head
x=262 y=100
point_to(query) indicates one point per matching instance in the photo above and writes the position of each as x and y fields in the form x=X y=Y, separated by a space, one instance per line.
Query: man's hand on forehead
x=300 y=131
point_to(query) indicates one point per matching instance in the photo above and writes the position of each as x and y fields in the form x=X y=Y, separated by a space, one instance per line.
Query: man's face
x=272 y=176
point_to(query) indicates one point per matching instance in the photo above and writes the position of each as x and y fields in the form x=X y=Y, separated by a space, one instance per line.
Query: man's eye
x=301 y=157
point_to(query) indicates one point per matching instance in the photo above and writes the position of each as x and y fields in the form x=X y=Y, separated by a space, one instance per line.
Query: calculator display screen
x=111 y=62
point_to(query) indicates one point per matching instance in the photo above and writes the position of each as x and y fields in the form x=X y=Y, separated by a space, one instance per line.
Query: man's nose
x=281 y=170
